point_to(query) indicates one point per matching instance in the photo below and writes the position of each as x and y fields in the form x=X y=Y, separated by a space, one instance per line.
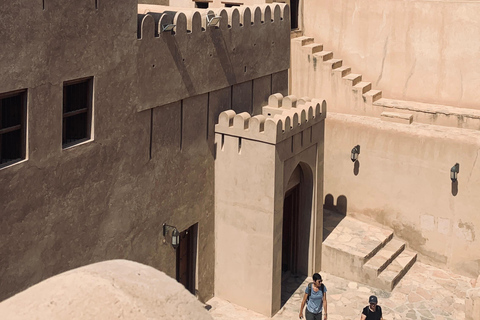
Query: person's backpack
x=310 y=290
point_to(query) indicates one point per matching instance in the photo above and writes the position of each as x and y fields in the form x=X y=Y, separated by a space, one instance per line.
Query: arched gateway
x=268 y=199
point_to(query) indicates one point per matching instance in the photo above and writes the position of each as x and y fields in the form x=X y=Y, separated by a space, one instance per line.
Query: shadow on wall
x=356 y=170
x=333 y=214
x=454 y=188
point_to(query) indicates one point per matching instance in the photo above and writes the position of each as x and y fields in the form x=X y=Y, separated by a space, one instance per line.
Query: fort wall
x=150 y=159
x=402 y=180
x=194 y=59
x=422 y=208
x=424 y=51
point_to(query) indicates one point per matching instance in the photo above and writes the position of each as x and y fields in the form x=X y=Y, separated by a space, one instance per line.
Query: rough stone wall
x=424 y=51
x=151 y=157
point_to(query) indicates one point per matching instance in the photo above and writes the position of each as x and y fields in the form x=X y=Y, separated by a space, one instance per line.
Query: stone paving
x=424 y=293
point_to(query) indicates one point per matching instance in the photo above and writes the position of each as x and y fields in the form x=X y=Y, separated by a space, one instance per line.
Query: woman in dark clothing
x=372 y=311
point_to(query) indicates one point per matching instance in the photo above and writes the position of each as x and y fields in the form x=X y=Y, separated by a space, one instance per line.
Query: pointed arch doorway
x=297 y=219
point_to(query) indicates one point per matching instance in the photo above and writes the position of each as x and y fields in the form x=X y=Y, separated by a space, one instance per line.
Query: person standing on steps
x=316 y=299
x=373 y=311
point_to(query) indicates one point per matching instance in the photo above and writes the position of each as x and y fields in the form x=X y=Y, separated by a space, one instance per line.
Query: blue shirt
x=315 y=303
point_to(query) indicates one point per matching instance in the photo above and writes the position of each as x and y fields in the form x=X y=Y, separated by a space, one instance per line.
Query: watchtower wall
x=255 y=158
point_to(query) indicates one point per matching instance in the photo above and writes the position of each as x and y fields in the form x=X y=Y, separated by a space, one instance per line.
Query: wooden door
x=186 y=253
x=290 y=230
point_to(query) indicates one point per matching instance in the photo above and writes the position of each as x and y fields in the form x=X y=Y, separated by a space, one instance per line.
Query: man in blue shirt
x=316 y=299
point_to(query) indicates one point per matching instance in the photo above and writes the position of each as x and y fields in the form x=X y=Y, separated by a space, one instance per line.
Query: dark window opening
x=232 y=4
x=77 y=111
x=294 y=14
x=12 y=127
x=201 y=5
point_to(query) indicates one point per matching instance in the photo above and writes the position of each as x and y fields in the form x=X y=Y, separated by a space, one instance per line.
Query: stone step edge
x=393 y=281
x=327 y=56
x=427 y=108
x=353 y=78
x=375 y=263
x=397 y=117
x=304 y=40
x=371 y=96
x=378 y=248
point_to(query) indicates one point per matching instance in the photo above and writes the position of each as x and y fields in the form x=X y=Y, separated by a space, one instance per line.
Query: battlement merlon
x=151 y=18
x=282 y=118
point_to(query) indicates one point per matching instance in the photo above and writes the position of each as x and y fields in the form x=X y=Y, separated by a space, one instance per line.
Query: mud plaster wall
x=402 y=180
x=108 y=198
x=424 y=51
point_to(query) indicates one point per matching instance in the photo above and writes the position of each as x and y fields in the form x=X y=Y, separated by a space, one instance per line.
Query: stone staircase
x=364 y=252
x=322 y=75
x=316 y=73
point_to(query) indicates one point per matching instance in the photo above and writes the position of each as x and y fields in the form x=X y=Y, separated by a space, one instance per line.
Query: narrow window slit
x=251 y=109
x=311 y=134
x=291 y=145
x=181 y=124
x=271 y=84
x=208 y=113
x=223 y=142
x=43 y=4
x=151 y=133
x=239 y=145
x=301 y=139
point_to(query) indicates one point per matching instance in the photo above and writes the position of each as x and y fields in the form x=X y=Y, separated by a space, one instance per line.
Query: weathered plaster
x=108 y=198
x=402 y=45
x=403 y=181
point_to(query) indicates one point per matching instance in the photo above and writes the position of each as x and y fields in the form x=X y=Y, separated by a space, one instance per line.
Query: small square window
x=229 y=4
x=77 y=111
x=12 y=127
x=201 y=5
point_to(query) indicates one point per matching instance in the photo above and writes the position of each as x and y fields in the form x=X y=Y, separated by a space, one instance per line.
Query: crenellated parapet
x=193 y=57
x=282 y=118
x=150 y=23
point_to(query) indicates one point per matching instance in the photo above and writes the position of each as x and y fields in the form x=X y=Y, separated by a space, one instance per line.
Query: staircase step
x=313 y=48
x=343 y=71
x=405 y=118
x=372 y=96
x=363 y=86
x=394 y=272
x=353 y=78
x=304 y=40
x=334 y=63
x=324 y=55
x=384 y=257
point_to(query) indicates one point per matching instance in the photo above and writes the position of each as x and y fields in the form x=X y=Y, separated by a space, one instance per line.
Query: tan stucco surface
x=255 y=158
x=402 y=180
x=116 y=289
x=424 y=51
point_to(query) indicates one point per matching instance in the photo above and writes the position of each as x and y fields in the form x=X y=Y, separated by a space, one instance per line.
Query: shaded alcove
x=333 y=214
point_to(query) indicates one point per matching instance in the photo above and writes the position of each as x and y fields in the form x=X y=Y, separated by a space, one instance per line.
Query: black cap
x=372 y=299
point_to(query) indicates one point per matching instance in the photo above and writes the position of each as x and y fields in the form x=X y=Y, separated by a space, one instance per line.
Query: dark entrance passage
x=186 y=258
x=290 y=232
x=291 y=278
x=294 y=14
